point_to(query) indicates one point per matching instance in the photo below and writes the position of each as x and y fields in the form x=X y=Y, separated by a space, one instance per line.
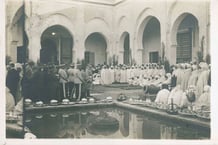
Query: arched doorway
x=96 y=46
x=151 y=41
x=48 y=53
x=56 y=46
x=187 y=38
x=125 y=49
x=17 y=38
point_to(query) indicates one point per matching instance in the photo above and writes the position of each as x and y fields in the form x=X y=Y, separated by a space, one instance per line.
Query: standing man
x=12 y=80
x=89 y=80
x=84 y=83
x=71 y=76
x=78 y=82
x=63 y=79
x=27 y=82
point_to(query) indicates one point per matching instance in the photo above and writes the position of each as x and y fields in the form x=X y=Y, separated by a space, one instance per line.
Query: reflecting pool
x=108 y=123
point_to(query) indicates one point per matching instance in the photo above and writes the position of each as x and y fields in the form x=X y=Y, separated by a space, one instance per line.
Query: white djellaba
x=176 y=95
x=162 y=96
x=202 y=78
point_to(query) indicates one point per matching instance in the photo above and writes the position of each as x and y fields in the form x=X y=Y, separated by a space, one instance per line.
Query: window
x=184 y=46
x=153 y=57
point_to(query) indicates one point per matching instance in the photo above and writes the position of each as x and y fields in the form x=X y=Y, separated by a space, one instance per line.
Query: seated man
x=204 y=99
x=96 y=79
x=167 y=80
x=162 y=95
x=184 y=100
x=176 y=95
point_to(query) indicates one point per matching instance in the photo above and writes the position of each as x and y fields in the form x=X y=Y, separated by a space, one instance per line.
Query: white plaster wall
x=151 y=39
x=199 y=10
x=82 y=19
x=96 y=43
x=169 y=11
x=137 y=11
x=13 y=30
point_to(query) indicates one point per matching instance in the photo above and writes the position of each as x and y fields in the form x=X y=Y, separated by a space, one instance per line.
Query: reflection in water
x=108 y=123
x=168 y=132
x=102 y=124
x=151 y=129
x=124 y=124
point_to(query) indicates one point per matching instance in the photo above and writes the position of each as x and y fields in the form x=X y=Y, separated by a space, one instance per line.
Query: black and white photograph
x=108 y=69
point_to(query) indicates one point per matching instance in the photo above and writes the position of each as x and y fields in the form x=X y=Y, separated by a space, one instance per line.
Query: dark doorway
x=56 y=46
x=21 y=54
x=153 y=57
x=126 y=50
x=90 y=57
x=48 y=53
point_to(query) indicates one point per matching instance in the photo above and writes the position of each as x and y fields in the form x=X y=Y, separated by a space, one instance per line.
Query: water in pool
x=108 y=123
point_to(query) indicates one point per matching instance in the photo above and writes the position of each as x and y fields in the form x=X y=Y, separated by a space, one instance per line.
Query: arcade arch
x=56 y=45
x=151 y=40
x=125 y=48
x=96 y=46
x=185 y=36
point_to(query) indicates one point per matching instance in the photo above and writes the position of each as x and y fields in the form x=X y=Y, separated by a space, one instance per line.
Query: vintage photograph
x=108 y=69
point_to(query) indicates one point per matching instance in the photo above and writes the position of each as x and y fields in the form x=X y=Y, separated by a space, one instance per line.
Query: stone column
x=13 y=51
x=138 y=56
x=120 y=58
x=79 y=40
x=171 y=54
x=34 y=47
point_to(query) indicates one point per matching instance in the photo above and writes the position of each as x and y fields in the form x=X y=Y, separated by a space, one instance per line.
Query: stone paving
x=101 y=92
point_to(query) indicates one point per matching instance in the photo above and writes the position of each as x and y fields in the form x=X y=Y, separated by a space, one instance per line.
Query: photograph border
x=214 y=100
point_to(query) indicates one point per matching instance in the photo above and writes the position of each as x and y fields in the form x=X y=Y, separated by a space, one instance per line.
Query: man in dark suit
x=12 y=80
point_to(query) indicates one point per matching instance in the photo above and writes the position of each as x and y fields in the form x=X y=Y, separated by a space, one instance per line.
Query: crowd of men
x=190 y=81
x=144 y=74
x=180 y=78
x=47 y=82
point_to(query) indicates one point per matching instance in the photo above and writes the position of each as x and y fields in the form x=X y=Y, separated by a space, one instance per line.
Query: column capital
x=139 y=49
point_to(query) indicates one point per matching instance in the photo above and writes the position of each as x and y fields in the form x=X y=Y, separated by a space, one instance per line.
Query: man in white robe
x=145 y=73
x=128 y=74
x=167 y=80
x=204 y=99
x=103 y=76
x=149 y=71
x=137 y=71
x=162 y=95
x=107 y=77
x=176 y=95
x=194 y=76
x=112 y=74
x=141 y=73
x=186 y=75
x=184 y=100
x=179 y=74
x=202 y=79
x=117 y=73
x=123 y=75
x=132 y=72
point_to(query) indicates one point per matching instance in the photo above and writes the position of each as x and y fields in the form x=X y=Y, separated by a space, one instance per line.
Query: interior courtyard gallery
x=107 y=31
